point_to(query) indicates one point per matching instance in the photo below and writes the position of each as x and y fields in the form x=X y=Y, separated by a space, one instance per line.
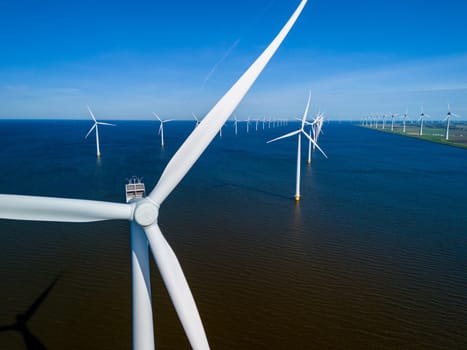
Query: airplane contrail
x=214 y=68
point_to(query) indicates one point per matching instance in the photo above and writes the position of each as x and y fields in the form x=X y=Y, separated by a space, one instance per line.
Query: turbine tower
x=143 y=213
x=161 y=127
x=96 y=127
x=299 y=132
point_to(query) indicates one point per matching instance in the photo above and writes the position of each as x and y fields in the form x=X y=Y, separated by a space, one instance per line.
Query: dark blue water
x=373 y=256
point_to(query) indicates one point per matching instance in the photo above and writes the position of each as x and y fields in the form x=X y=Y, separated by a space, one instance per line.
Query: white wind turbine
x=384 y=121
x=161 y=127
x=299 y=132
x=392 y=121
x=448 y=119
x=196 y=119
x=95 y=126
x=404 y=118
x=422 y=117
x=248 y=125
x=315 y=131
x=235 y=124
x=143 y=213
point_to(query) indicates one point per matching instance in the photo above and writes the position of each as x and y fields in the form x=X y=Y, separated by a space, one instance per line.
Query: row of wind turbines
x=142 y=213
x=270 y=123
x=372 y=121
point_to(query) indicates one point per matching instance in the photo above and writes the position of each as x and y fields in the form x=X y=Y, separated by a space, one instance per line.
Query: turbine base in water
x=297 y=197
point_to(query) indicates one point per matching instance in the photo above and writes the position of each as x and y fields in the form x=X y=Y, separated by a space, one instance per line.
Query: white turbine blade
x=202 y=136
x=306 y=109
x=177 y=287
x=90 y=130
x=143 y=329
x=92 y=115
x=284 y=136
x=157 y=116
x=160 y=128
x=168 y=120
x=194 y=116
x=101 y=123
x=36 y=208
x=314 y=143
x=456 y=115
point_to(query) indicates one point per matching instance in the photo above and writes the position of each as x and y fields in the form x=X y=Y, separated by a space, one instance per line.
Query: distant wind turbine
x=404 y=118
x=392 y=121
x=161 y=127
x=315 y=131
x=95 y=126
x=448 y=119
x=235 y=124
x=422 y=117
x=143 y=214
x=299 y=132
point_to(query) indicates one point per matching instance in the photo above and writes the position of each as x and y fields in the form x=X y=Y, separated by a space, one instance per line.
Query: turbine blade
x=101 y=123
x=90 y=130
x=40 y=299
x=314 y=143
x=202 y=136
x=157 y=116
x=92 y=115
x=143 y=325
x=177 y=287
x=168 y=120
x=306 y=109
x=16 y=207
x=194 y=116
x=456 y=115
x=284 y=136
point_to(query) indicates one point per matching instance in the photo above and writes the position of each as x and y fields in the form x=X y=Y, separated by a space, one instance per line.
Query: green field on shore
x=432 y=131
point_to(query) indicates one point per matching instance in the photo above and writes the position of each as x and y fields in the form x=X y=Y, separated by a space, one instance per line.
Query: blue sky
x=127 y=59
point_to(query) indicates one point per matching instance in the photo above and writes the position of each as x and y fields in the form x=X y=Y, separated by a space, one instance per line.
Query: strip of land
x=432 y=132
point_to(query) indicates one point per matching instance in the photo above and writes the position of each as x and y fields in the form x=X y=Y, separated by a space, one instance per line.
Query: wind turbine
x=448 y=119
x=392 y=121
x=196 y=119
x=315 y=129
x=235 y=124
x=384 y=120
x=161 y=127
x=422 y=117
x=299 y=132
x=143 y=213
x=248 y=125
x=405 y=117
x=95 y=126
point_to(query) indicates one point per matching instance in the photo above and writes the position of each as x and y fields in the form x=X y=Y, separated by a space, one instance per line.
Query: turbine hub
x=146 y=213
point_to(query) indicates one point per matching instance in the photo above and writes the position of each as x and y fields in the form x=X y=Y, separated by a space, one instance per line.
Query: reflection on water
x=373 y=255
